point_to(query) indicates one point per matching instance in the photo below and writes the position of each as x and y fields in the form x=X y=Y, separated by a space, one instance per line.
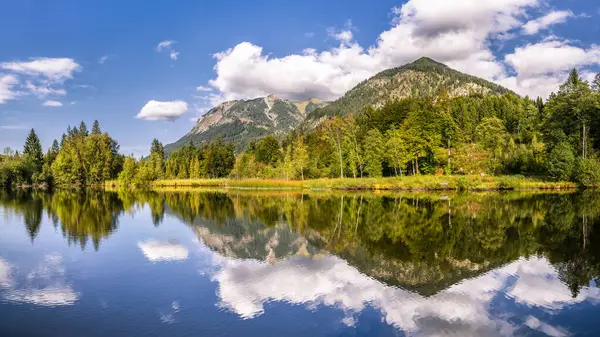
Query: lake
x=268 y=263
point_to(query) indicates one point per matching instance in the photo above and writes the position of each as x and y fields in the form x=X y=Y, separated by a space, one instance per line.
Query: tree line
x=81 y=158
x=477 y=134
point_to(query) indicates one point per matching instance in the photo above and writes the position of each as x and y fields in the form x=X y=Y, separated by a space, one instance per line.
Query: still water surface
x=212 y=263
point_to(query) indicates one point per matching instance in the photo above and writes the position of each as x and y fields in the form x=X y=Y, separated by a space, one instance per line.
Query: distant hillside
x=424 y=77
x=241 y=121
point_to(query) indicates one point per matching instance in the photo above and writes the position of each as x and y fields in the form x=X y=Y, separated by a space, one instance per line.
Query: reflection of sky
x=44 y=285
x=116 y=287
x=163 y=251
x=462 y=310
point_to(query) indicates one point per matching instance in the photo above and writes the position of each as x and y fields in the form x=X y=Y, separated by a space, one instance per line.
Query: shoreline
x=408 y=183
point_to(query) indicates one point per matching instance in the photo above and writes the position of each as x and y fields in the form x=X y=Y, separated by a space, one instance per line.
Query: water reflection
x=430 y=264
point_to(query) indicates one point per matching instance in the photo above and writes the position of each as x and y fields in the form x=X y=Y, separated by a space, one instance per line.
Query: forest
x=557 y=139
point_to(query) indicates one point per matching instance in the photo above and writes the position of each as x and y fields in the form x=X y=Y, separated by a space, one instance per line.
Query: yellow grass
x=409 y=183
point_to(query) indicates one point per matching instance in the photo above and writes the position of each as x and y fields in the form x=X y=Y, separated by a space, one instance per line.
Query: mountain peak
x=425 y=63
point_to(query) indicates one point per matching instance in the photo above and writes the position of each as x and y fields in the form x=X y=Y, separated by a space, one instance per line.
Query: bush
x=587 y=172
x=561 y=162
x=463 y=184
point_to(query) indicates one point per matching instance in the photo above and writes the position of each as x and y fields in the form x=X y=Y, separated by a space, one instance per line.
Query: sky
x=150 y=69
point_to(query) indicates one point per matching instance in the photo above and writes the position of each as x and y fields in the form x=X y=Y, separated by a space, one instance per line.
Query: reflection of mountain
x=423 y=243
x=420 y=243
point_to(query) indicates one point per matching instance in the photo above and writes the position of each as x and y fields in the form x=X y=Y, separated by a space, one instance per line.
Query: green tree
x=300 y=156
x=33 y=156
x=374 y=146
x=96 y=128
x=561 y=162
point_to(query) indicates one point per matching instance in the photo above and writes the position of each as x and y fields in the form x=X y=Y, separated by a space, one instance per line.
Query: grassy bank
x=410 y=183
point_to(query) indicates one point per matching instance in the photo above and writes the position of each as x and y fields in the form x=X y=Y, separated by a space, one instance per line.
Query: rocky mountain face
x=244 y=120
x=424 y=77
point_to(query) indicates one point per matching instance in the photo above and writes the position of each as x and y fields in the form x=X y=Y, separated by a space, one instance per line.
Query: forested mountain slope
x=422 y=78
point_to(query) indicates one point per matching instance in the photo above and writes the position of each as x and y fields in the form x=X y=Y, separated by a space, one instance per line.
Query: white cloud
x=44 y=285
x=458 y=33
x=163 y=251
x=103 y=59
x=203 y=88
x=44 y=90
x=7 y=83
x=167 y=46
x=51 y=103
x=156 y=110
x=546 y=328
x=5 y=273
x=464 y=309
x=541 y=67
x=534 y=26
x=53 y=69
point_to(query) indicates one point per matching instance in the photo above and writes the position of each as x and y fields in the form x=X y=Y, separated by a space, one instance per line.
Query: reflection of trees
x=81 y=215
x=422 y=242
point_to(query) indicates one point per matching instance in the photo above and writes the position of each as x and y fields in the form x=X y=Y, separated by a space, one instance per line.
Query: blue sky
x=147 y=69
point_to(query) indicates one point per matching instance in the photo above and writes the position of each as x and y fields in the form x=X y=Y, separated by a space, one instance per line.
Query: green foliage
x=587 y=172
x=374 y=153
x=561 y=162
x=268 y=151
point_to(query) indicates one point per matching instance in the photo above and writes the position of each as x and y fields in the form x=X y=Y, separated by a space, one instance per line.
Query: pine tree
x=96 y=128
x=33 y=151
x=83 y=131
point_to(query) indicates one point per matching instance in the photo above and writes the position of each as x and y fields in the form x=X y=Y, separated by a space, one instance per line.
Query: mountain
x=424 y=77
x=244 y=120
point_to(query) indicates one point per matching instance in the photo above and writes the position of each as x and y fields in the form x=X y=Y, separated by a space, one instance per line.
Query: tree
x=561 y=162
x=83 y=131
x=300 y=156
x=32 y=152
x=127 y=176
x=397 y=152
x=268 y=151
x=374 y=150
x=334 y=134
x=96 y=128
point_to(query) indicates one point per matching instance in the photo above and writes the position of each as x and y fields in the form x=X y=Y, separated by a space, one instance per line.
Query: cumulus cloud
x=462 y=34
x=541 y=67
x=51 y=103
x=555 y=17
x=156 y=110
x=54 y=69
x=163 y=251
x=457 y=33
x=103 y=59
x=7 y=84
x=167 y=46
